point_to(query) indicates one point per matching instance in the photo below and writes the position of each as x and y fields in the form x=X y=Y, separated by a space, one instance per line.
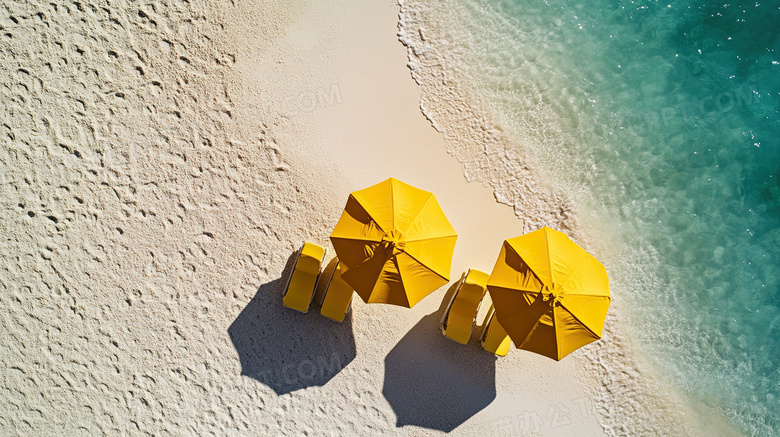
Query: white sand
x=160 y=163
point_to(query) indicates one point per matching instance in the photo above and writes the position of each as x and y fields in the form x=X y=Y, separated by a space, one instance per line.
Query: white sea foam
x=520 y=157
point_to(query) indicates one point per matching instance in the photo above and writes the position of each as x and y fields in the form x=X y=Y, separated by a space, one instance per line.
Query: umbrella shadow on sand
x=287 y=350
x=434 y=382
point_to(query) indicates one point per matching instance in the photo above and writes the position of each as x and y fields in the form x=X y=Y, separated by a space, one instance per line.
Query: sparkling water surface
x=663 y=120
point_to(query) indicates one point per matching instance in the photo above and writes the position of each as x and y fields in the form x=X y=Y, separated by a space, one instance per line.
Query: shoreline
x=368 y=107
x=158 y=177
x=634 y=397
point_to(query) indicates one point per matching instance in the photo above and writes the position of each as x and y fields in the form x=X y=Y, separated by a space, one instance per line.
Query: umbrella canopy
x=394 y=243
x=550 y=295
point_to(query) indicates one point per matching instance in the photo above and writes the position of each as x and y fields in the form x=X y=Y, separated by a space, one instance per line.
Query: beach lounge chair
x=337 y=300
x=459 y=318
x=494 y=338
x=300 y=287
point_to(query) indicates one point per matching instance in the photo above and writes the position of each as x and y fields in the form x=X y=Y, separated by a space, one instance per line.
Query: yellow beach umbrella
x=394 y=243
x=550 y=295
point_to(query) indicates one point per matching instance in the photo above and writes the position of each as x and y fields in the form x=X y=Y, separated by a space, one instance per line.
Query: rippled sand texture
x=147 y=219
x=138 y=217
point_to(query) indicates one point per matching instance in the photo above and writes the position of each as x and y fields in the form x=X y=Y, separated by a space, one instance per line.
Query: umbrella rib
x=531 y=331
x=432 y=238
x=529 y=266
x=555 y=332
x=355 y=239
x=417 y=213
x=394 y=260
x=420 y=263
x=392 y=203
x=549 y=258
x=366 y=210
x=579 y=321
x=511 y=288
x=583 y=255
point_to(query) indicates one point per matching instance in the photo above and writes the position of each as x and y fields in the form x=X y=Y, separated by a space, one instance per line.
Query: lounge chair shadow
x=287 y=350
x=436 y=383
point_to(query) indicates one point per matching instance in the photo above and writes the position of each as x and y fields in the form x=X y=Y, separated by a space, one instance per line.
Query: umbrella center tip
x=555 y=292
x=394 y=240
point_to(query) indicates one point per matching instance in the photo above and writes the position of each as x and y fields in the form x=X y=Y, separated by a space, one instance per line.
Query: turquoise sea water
x=666 y=115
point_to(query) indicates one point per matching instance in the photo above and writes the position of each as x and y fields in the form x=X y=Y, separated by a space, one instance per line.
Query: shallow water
x=662 y=120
